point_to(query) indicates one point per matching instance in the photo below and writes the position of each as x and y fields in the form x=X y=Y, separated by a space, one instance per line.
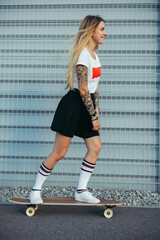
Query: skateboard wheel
x=30 y=211
x=108 y=213
x=36 y=207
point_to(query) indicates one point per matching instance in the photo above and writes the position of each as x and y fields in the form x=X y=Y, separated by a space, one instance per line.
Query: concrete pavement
x=78 y=223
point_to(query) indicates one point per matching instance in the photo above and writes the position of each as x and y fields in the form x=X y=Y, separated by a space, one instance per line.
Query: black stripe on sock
x=89 y=163
x=43 y=174
x=81 y=190
x=86 y=170
x=46 y=167
x=36 y=189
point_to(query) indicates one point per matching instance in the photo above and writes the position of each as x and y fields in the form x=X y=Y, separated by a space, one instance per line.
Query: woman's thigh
x=61 y=144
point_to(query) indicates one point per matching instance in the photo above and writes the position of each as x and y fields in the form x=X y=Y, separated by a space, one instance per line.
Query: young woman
x=78 y=113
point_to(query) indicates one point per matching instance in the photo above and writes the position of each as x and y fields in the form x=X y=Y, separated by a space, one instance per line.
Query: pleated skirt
x=72 y=118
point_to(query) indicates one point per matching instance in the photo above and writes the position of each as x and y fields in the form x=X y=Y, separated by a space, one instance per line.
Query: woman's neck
x=91 y=46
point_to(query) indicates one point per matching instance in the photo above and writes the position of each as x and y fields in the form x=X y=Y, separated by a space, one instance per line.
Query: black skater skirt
x=72 y=118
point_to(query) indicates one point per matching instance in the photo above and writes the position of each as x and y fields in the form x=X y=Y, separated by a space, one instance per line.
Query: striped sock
x=85 y=174
x=42 y=175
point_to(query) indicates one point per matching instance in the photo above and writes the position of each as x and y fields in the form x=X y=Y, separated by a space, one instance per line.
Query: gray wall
x=34 y=39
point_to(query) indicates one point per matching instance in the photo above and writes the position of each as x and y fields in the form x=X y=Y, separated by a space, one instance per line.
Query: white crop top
x=94 y=70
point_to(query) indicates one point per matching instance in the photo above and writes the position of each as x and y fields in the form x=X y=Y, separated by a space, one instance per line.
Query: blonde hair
x=87 y=27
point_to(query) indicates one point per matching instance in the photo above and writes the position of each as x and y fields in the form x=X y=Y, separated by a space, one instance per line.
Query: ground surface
x=79 y=223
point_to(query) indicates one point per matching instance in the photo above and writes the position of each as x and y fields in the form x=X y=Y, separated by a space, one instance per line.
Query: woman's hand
x=97 y=111
x=96 y=122
x=96 y=125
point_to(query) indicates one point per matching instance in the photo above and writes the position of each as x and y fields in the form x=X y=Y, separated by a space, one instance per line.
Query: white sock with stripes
x=85 y=174
x=42 y=175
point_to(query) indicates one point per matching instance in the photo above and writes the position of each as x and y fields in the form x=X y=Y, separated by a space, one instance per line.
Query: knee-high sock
x=42 y=175
x=85 y=174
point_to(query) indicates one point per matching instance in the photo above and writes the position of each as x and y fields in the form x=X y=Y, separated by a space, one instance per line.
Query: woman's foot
x=86 y=197
x=35 y=197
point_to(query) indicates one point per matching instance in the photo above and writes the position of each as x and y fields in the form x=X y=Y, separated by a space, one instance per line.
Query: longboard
x=66 y=201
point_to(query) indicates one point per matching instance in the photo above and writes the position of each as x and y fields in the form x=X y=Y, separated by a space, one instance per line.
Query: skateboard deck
x=66 y=201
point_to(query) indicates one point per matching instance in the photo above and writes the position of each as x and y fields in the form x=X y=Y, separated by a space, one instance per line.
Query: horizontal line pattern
x=71 y=22
x=102 y=143
x=65 y=67
x=103 y=128
x=142 y=83
x=68 y=36
x=133 y=80
x=107 y=113
x=83 y=6
x=113 y=160
x=50 y=51
x=32 y=96
x=76 y=174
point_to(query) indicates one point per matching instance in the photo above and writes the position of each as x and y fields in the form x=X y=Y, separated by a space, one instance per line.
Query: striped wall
x=35 y=37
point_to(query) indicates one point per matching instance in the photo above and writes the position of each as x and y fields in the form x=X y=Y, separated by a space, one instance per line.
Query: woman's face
x=99 y=34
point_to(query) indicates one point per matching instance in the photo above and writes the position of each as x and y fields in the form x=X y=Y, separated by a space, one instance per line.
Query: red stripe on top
x=86 y=165
x=96 y=72
x=44 y=170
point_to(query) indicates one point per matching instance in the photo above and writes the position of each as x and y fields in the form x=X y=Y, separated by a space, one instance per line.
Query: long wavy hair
x=87 y=27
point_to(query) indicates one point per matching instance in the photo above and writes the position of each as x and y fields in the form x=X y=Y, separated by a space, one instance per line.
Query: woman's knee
x=96 y=148
x=58 y=155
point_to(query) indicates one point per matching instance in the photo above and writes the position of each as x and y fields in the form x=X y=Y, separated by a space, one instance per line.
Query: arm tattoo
x=86 y=98
x=96 y=98
x=82 y=75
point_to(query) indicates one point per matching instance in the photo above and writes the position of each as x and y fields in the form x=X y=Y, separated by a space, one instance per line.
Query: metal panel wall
x=35 y=37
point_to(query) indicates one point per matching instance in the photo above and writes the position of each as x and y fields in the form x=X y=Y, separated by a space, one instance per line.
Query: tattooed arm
x=82 y=75
x=96 y=99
